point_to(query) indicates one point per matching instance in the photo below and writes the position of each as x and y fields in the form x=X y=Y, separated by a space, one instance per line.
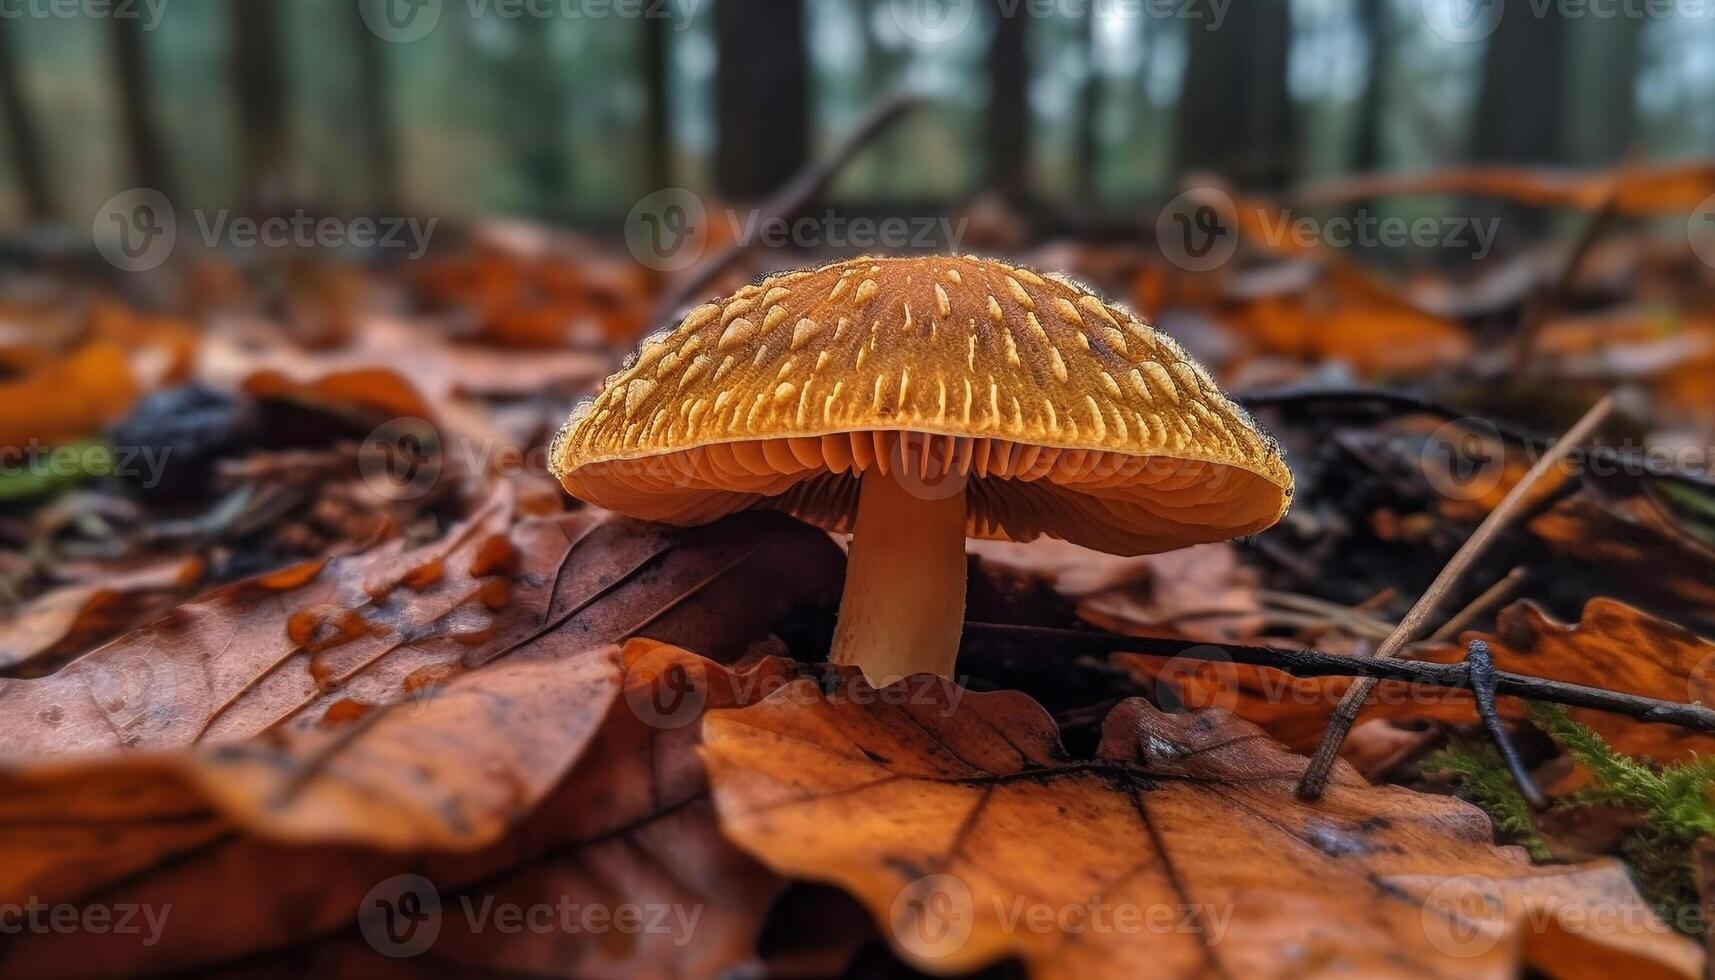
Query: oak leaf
x=1178 y=850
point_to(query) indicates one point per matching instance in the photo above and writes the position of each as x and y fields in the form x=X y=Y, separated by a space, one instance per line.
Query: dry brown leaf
x=317 y=643
x=64 y=621
x=1200 y=593
x=628 y=824
x=1179 y=850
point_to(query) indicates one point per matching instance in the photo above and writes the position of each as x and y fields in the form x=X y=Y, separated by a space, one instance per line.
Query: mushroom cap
x=1053 y=411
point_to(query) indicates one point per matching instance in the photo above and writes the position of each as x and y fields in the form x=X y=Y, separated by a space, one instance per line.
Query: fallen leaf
x=275 y=652
x=1671 y=189
x=627 y=827
x=67 y=399
x=1179 y=850
x=65 y=621
x=1200 y=593
x=1615 y=647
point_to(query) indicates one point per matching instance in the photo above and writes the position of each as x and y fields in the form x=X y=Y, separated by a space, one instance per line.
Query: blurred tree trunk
x=1235 y=113
x=762 y=100
x=1523 y=95
x=657 y=141
x=1519 y=112
x=374 y=110
x=1008 y=122
x=21 y=133
x=1604 y=102
x=260 y=87
x=539 y=136
x=1089 y=147
x=135 y=96
x=1380 y=39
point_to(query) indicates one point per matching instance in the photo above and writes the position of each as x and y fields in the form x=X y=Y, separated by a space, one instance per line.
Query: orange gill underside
x=1118 y=503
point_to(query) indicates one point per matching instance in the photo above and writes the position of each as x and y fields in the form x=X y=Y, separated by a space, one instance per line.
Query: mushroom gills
x=904 y=602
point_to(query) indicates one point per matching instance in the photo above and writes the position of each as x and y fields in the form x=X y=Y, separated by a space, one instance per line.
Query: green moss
x=1483 y=779
x=1674 y=801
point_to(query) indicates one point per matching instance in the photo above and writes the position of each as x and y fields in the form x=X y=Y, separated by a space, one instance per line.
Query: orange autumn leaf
x=1670 y=189
x=67 y=399
x=1375 y=333
x=1178 y=850
x=625 y=822
x=1615 y=647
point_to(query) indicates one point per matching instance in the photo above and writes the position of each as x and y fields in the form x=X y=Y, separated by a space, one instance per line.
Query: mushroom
x=915 y=402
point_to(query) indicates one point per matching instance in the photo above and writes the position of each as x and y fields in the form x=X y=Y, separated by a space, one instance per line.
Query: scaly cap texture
x=1053 y=411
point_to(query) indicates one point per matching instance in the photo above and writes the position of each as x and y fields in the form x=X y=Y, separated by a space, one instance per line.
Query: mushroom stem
x=904 y=601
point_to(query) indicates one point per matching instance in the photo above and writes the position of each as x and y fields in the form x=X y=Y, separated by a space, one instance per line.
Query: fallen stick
x=1319 y=663
x=1415 y=625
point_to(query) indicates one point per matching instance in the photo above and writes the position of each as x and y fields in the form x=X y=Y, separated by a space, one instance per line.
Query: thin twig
x=1416 y=622
x=1536 y=314
x=1319 y=663
x=1492 y=597
x=1480 y=666
x=789 y=200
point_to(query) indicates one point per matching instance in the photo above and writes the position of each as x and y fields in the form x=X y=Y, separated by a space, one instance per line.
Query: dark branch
x=1480 y=667
x=1318 y=663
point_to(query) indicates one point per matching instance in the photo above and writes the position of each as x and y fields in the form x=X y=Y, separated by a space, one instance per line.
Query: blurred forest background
x=572 y=111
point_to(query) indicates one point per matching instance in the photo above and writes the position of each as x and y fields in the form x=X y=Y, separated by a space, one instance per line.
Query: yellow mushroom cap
x=1054 y=412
